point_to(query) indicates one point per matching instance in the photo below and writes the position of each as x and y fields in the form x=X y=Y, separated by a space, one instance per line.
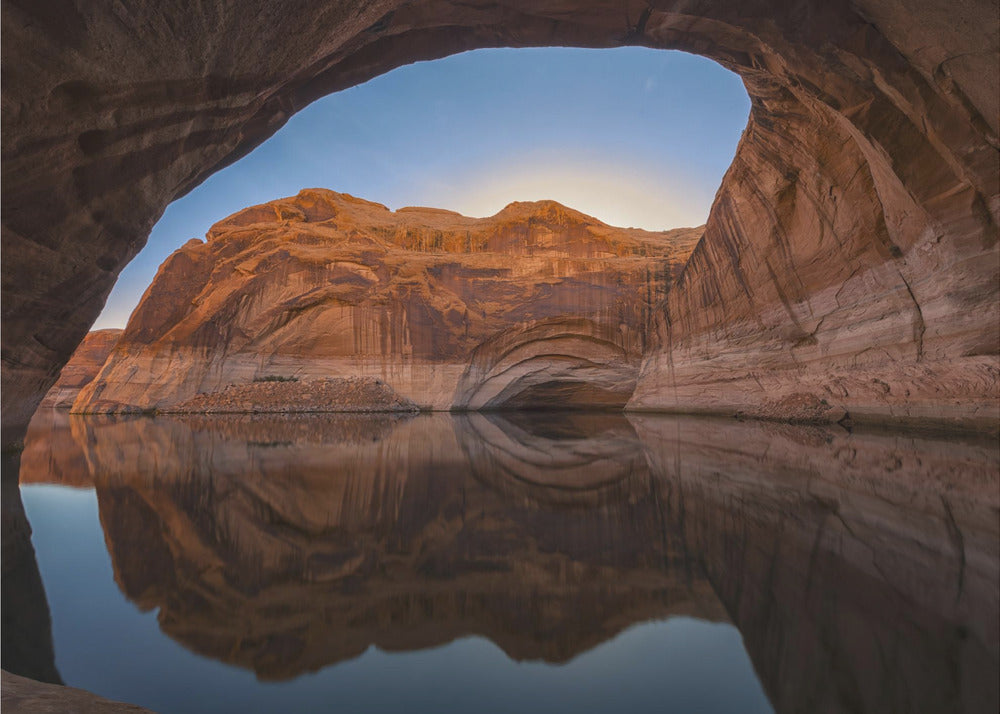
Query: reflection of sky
x=104 y=644
x=633 y=136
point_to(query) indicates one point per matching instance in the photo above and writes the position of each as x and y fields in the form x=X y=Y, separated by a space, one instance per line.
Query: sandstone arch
x=851 y=252
x=575 y=361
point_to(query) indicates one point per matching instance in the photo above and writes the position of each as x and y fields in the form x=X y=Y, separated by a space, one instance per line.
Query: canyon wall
x=851 y=255
x=829 y=284
x=81 y=369
x=535 y=303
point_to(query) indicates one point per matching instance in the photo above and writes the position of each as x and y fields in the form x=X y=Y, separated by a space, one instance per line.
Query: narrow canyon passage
x=849 y=264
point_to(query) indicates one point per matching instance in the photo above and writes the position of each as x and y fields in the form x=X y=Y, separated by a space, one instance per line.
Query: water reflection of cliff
x=286 y=545
x=861 y=569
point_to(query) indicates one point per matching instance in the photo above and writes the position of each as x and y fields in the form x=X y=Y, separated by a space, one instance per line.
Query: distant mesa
x=539 y=305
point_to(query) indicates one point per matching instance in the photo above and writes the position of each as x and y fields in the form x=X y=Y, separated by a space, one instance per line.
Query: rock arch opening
x=534 y=306
x=553 y=364
x=850 y=259
x=632 y=136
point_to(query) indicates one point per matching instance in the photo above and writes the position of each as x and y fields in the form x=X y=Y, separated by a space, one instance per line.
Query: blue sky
x=633 y=136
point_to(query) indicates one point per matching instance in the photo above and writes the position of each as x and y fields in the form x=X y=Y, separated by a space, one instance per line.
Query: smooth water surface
x=496 y=563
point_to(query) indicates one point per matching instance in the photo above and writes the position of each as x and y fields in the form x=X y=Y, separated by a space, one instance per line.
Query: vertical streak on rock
x=919 y=327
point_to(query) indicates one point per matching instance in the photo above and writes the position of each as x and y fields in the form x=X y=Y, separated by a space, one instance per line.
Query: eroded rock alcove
x=850 y=262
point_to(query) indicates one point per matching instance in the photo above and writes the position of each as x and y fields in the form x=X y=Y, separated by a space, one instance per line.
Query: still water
x=504 y=563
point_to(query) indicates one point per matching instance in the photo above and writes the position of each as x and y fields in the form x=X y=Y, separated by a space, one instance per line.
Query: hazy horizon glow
x=634 y=137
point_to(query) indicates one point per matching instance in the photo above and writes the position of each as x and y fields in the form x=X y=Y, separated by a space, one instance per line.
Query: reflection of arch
x=858 y=219
x=825 y=546
x=288 y=556
x=551 y=363
x=569 y=459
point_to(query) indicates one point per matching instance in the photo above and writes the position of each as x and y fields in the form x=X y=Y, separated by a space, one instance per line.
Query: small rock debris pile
x=352 y=394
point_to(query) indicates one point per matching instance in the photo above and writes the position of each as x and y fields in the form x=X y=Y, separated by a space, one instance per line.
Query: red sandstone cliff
x=536 y=303
x=856 y=230
x=82 y=367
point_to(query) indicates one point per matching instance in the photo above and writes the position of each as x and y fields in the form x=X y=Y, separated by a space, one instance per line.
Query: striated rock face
x=536 y=303
x=81 y=369
x=852 y=248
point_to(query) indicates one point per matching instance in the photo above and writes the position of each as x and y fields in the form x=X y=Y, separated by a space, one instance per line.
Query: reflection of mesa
x=536 y=305
x=286 y=544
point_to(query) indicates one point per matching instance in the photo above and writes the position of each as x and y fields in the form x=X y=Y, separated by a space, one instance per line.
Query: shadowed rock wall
x=26 y=644
x=855 y=235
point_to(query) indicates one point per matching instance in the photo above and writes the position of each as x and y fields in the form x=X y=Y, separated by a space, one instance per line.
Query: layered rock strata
x=445 y=311
x=852 y=246
x=81 y=369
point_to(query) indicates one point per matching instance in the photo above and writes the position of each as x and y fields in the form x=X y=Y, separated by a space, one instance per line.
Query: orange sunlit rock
x=535 y=306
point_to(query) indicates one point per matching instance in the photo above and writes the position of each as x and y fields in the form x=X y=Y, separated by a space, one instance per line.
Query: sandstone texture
x=853 y=243
x=535 y=306
x=21 y=694
x=860 y=567
x=81 y=369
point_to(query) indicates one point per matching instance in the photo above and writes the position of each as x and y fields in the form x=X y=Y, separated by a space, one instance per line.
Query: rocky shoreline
x=289 y=396
x=21 y=694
